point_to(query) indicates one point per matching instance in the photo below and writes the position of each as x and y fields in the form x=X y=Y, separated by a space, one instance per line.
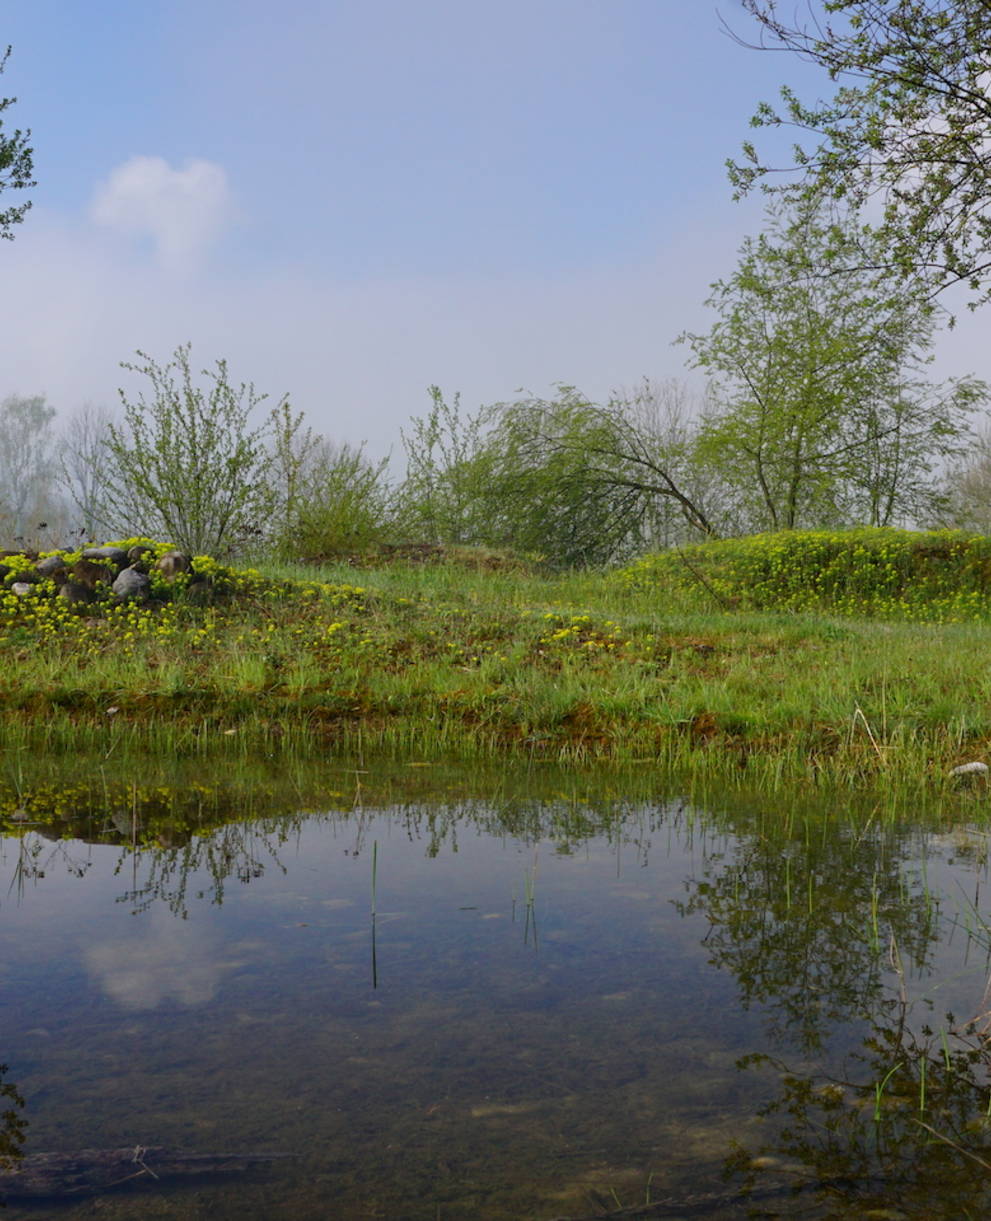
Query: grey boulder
x=130 y=583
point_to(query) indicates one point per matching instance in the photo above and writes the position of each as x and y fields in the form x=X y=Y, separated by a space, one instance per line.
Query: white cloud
x=180 y=210
x=171 y=962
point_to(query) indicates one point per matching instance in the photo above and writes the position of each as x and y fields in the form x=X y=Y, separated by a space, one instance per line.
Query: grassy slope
x=465 y=661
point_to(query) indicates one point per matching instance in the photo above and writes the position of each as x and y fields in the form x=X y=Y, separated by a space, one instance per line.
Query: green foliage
x=906 y=127
x=569 y=480
x=189 y=465
x=932 y=576
x=466 y=661
x=16 y=164
x=344 y=506
x=823 y=416
x=441 y=499
x=556 y=485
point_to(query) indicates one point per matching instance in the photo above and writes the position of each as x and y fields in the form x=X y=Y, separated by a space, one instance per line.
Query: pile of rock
x=125 y=573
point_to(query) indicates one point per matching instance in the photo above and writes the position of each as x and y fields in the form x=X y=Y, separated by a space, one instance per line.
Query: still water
x=540 y=996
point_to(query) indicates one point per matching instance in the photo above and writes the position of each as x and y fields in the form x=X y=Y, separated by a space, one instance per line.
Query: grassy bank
x=474 y=659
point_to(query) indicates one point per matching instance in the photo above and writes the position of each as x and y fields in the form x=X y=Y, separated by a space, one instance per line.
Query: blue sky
x=352 y=200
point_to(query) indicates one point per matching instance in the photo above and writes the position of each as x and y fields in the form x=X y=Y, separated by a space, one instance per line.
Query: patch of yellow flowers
x=923 y=575
x=41 y=616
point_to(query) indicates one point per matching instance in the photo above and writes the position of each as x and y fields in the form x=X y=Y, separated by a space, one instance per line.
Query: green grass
x=474 y=662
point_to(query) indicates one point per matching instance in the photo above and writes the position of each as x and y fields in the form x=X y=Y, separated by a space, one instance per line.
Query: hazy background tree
x=189 y=466
x=27 y=467
x=292 y=445
x=967 y=504
x=16 y=164
x=906 y=130
x=662 y=421
x=85 y=466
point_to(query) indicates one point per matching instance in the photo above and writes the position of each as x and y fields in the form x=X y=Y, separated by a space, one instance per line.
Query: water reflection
x=13 y=1125
x=801 y=923
x=905 y=1122
x=829 y=934
x=166 y=960
x=723 y=1005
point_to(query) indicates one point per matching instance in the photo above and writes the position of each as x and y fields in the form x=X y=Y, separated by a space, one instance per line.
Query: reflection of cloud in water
x=172 y=962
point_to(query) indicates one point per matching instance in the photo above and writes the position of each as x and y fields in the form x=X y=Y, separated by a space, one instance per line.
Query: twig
x=859 y=712
x=725 y=603
x=953 y=1145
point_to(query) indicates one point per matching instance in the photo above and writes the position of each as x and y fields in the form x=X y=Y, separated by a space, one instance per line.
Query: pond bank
x=474 y=662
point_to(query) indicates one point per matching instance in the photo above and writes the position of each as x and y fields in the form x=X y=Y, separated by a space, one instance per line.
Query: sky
x=352 y=200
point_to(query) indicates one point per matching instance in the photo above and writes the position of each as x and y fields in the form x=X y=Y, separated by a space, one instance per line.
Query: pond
x=511 y=993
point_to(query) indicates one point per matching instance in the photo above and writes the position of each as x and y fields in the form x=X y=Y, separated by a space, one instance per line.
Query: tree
x=330 y=499
x=661 y=423
x=84 y=463
x=189 y=466
x=16 y=164
x=588 y=484
x=26 y=463
x=967 y=503
x=292 y=449
x=825 y=417
x=547 y=493
x=440 y=500
x=907 y=127
x=574 y=481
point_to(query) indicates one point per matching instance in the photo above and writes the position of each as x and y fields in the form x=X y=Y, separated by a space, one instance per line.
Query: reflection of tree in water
x=190 y=845
x=821 y=930
x=37 y=854
x=244 y=851
x=907 y=1124
x=13 y=1126
x=239 y=851
x=802 y=923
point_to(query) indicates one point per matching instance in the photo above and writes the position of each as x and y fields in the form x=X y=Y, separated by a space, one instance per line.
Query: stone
x=134 y=554
x=50 y=565
x=88 y=573
x=116 y=555
x=970 y=769
x=76 y=592
x=22 y=588
x=131 y=584
x=172 y=563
